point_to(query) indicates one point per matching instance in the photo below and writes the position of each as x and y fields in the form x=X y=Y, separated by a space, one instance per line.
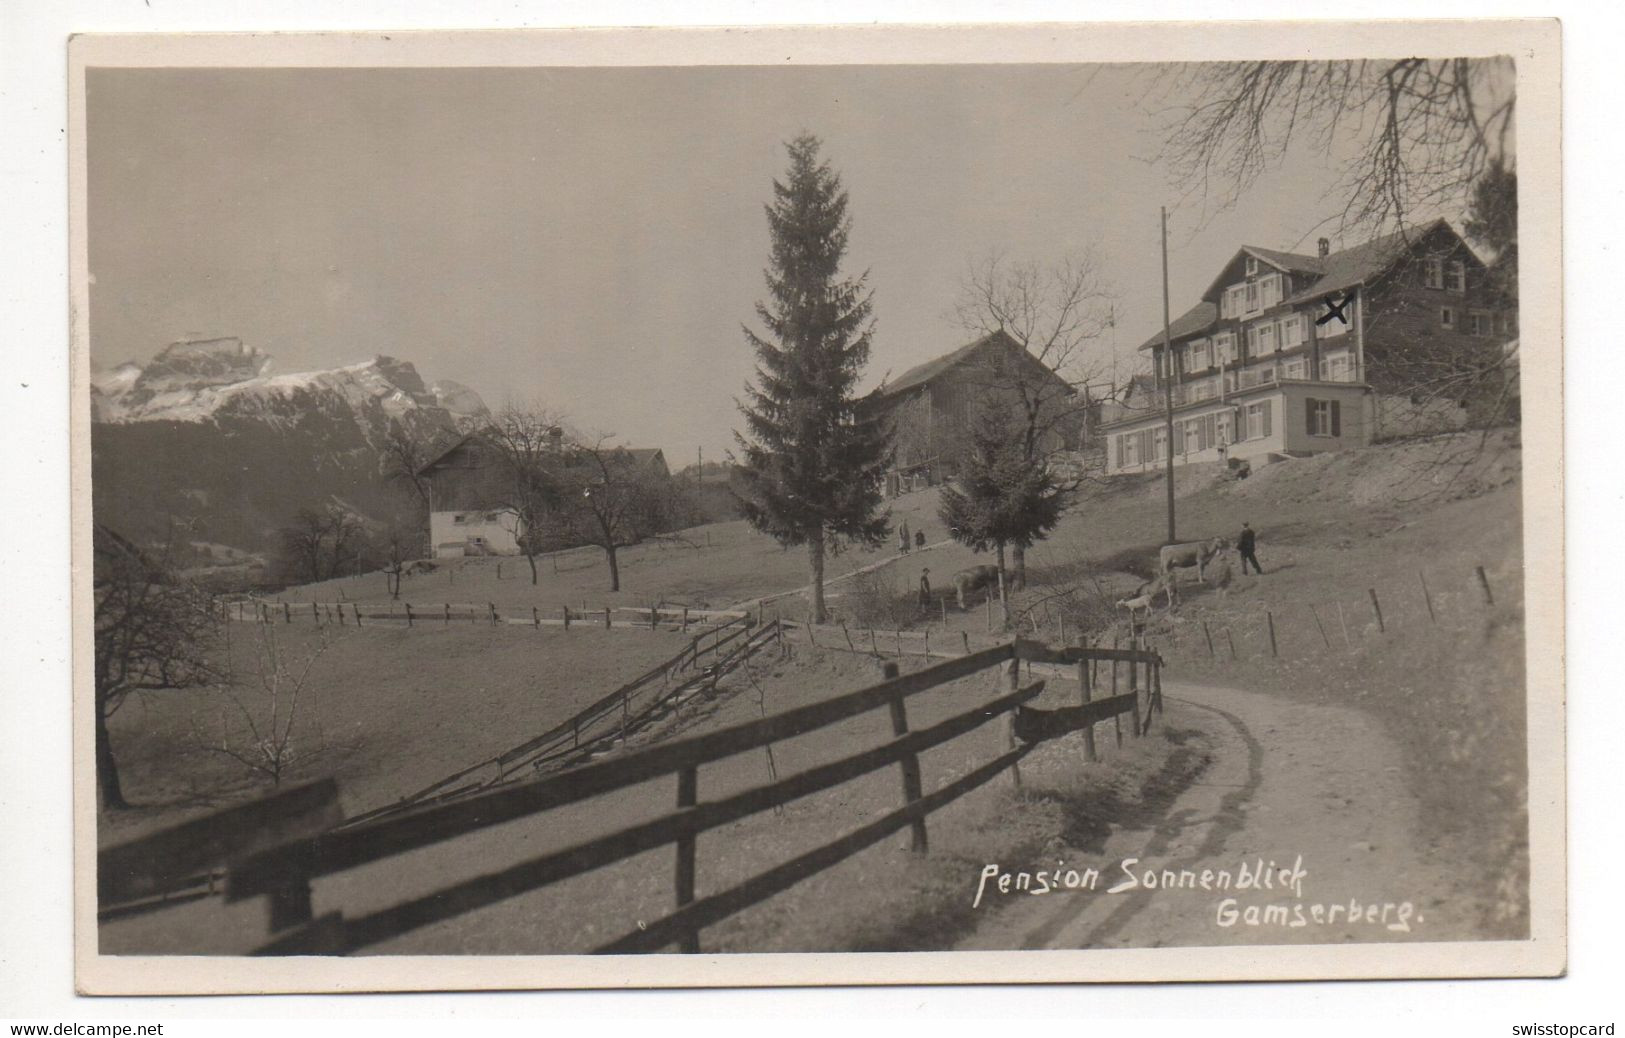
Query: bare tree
x=613 y=500
x=1055 y=316
x=318 y=541
x=526 y=443
x=406 y=449
x=154 y=631
x=258 y=732
x=1420 y=132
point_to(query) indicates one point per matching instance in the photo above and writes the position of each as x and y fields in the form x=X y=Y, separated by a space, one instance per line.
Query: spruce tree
x=813 y=457
x=1004 y=497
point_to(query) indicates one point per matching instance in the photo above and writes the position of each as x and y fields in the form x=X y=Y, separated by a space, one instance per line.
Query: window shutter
x=1268 y=406
x=1337 y=423
x=1119 y=440
x=1309 y=415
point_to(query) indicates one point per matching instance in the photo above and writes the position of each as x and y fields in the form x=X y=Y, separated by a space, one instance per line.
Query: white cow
x=1189 y=553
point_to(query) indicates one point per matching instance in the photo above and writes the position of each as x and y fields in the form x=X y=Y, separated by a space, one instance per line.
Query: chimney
x=1325 y=248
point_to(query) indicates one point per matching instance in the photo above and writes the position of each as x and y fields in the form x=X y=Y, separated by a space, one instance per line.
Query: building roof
x=1339 y=271
x=1190 y=322
x=920 y=374
x=1364 y=263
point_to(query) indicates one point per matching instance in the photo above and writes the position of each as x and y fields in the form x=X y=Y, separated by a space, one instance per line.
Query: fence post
x=927 y=644
x=536 y=618
x=357 y=607
x=1231 y=639
x=1090 y=753
x=909 y=764
x=493 y=607
x=1012 y=683
x=287 y=613
x=1319 y=626
x=1209 y=636
x=965 y=637
x=874 y=646
x=408 y=613
x=990 y=612
x=688 y=794
x=1347 y=642
x=606 y=618
x=1376 y=607
x=341 y=614
x=654 y=618
x=1156 y=683
x=848 y=634
x=685 y=619
x=1114 y=666
x=943 y=601
x=566 y=618
x=1427 y=596
x=1269 y=619
x=1484 y=582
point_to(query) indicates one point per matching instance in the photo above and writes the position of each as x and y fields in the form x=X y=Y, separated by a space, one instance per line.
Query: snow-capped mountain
x=200 y=380
x=206 y=433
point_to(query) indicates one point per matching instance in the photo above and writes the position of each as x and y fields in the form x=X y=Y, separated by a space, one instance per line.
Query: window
x=1224 y=345
x=1434 y=274
x=1159 y=444
x=1479 y=323
x=1252 y=296
x=1294 y=368
x=1291 y=330
x=1201 y=356
x=1458 y=276
x=1335 y=367
x=1252 y=265
x=1266 y=338
x=1226 y=434
x=1258 y=420
x=1447 y=317
x=1270 y=290
x=1323 y=417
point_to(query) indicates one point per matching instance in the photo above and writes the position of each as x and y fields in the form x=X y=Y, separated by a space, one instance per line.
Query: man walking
x=1245 y=546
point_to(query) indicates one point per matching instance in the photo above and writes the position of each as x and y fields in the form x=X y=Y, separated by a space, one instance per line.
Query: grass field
x=399 y=708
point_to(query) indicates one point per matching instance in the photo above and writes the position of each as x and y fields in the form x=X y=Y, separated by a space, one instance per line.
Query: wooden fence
x=444 y=614
x=608 y=720
x=283 y=874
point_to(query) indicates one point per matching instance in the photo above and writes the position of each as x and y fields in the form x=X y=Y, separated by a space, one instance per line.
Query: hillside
x=205 y=433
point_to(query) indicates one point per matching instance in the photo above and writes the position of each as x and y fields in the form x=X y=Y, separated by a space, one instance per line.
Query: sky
x=592 y=239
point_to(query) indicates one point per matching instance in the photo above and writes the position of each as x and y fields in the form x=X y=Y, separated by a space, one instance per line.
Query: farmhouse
x=469 y=487
x=1295 y=354
x=931 y=408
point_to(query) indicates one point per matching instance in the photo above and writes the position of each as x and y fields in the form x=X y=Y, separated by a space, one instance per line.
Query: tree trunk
x=530 y=557
x=1004 y=600
x=1018 y=566
x=614 y=567
x=107 y=766
x=815 y=559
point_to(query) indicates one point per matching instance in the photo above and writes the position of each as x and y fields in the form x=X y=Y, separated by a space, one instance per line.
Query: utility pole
x=1168 y=377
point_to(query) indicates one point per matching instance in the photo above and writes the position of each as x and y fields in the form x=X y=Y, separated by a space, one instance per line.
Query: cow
x=1134 y=605
x=974 y=579
x=1189 y=553
x=1166 y=584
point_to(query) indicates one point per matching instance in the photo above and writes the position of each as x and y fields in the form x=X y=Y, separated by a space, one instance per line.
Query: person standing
x=919 y=539
x=1246 y=545
x=925 y=589
x=902 y=536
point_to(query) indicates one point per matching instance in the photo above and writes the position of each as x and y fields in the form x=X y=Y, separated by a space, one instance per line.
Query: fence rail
x=360 y=614
x=283 y=873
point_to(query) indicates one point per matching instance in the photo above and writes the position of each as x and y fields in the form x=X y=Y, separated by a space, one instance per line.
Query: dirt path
x=1288 y=779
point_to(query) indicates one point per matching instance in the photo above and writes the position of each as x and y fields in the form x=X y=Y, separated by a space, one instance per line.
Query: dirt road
x=1316 y=790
